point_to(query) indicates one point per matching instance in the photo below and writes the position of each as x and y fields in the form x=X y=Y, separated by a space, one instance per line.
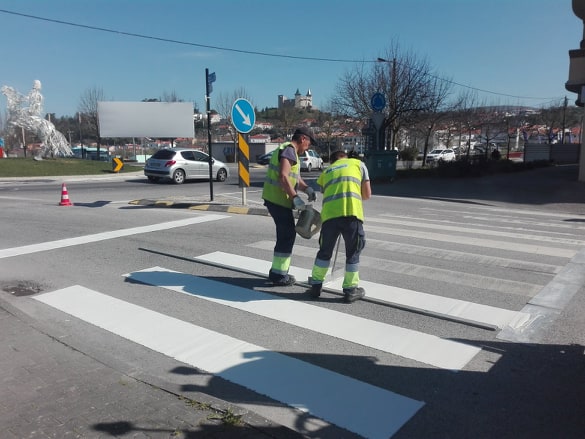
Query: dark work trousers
x=353 y=236
x=285 y=227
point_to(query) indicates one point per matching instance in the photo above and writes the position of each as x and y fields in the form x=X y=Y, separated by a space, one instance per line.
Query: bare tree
x=223 y=105
x=465 y=118
x=405 y=81
x=170 y=97
x=554 y=117
x=435 y=110
x=88 y=113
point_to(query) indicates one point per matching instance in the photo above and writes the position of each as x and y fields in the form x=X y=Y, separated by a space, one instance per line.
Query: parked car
x=310 y=160
x=180 y=164
x=441 y=155
x=264 y=159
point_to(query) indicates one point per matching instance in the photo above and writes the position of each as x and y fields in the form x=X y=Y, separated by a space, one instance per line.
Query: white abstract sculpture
x=25 y=112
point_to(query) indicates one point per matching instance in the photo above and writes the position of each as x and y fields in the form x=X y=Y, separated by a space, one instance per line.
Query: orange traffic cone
x=65 y=197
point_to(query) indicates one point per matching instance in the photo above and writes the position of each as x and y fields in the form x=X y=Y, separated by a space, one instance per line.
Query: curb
x=243 y=210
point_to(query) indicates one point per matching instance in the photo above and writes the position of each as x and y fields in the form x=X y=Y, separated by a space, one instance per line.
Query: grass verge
x=28 y=167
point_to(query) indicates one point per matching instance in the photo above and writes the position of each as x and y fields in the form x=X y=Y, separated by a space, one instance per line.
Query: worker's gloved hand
x=298 y=203
x=311 y=194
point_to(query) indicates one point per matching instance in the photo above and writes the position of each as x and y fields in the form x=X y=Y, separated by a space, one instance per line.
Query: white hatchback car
x=441 y=155
x=310 y=160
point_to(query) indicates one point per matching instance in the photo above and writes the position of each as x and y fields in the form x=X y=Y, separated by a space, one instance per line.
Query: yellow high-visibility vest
x=272 y=190
x=342 y=190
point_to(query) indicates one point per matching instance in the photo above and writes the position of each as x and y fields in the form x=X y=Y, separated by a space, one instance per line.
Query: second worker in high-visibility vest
x=283 y=180
x=345 y=184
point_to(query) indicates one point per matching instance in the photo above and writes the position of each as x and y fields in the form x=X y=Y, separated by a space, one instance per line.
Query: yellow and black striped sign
x=243 y=161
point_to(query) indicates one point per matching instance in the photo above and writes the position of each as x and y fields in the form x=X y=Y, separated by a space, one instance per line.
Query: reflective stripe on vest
x=272 y=190
x=342 y=190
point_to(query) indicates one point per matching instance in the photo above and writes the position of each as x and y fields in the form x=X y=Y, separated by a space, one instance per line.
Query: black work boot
x=315 y=290
x=278 y=280
x=286 y=281
x=353 y=294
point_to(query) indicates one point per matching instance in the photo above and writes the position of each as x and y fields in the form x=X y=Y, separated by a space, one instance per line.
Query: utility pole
x=209 y=79
x=564 y=120
x=80 y=141
x=392 y=102
x=23 y=142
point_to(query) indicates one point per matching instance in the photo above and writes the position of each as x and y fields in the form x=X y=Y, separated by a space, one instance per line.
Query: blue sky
x=507 y=47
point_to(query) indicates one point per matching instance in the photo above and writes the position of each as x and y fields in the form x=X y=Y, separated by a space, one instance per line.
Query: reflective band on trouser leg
x=351 y=279
x=319 y=271
x=280 y=263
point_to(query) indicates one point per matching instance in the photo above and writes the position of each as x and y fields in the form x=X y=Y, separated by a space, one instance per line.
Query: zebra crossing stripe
x=418 y=346
x=459 y=310
x=487 y=316
x=249 y=265
x=365 y=409
x=471 y=240
x=68 y=242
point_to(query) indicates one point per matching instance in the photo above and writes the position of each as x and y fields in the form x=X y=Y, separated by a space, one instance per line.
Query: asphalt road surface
x=472 y=325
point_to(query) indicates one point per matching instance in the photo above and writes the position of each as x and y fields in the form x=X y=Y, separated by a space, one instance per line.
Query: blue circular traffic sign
x=243 y=116
x=378 y=102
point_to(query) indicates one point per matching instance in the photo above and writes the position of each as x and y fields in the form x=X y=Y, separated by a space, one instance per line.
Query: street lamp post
x=392 y=103
x=80 y=141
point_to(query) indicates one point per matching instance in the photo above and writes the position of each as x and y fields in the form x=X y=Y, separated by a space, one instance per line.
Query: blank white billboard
x=146 y=119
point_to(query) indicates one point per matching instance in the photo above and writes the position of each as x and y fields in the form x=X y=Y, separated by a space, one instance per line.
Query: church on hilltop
x=299 y=101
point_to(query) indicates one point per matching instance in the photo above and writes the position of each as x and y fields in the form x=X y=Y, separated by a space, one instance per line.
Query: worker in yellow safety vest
x=345 y=184
x=280 y=193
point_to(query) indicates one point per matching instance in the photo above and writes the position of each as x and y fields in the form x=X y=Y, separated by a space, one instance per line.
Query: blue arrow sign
x=243 y=117
x=378 y=102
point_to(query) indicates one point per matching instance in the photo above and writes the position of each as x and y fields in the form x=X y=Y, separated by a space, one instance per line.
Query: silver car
x=180 y=164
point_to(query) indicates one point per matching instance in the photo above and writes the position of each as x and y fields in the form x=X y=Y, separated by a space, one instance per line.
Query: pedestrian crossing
x=460 y=310
x=376 y=413
x=544 y=247
x=414 y=345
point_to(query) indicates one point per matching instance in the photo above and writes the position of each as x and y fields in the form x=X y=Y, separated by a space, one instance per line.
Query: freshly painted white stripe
x=68 y=242
x=367 y=410
x=460 y=310
x=246 y=264
x=403 y=342
x=454 y=309
x=474 y=241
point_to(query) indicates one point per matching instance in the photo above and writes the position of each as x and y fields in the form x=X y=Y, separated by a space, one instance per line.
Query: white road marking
x=460 y=310
x=546 y=306
x=418 y=346
x=367 y=410
x=421 y=271
x=474 y=241
x=466 y=228
x=68 y=242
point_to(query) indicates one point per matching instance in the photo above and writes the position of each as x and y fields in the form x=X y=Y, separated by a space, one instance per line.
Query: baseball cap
x=305 y=132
